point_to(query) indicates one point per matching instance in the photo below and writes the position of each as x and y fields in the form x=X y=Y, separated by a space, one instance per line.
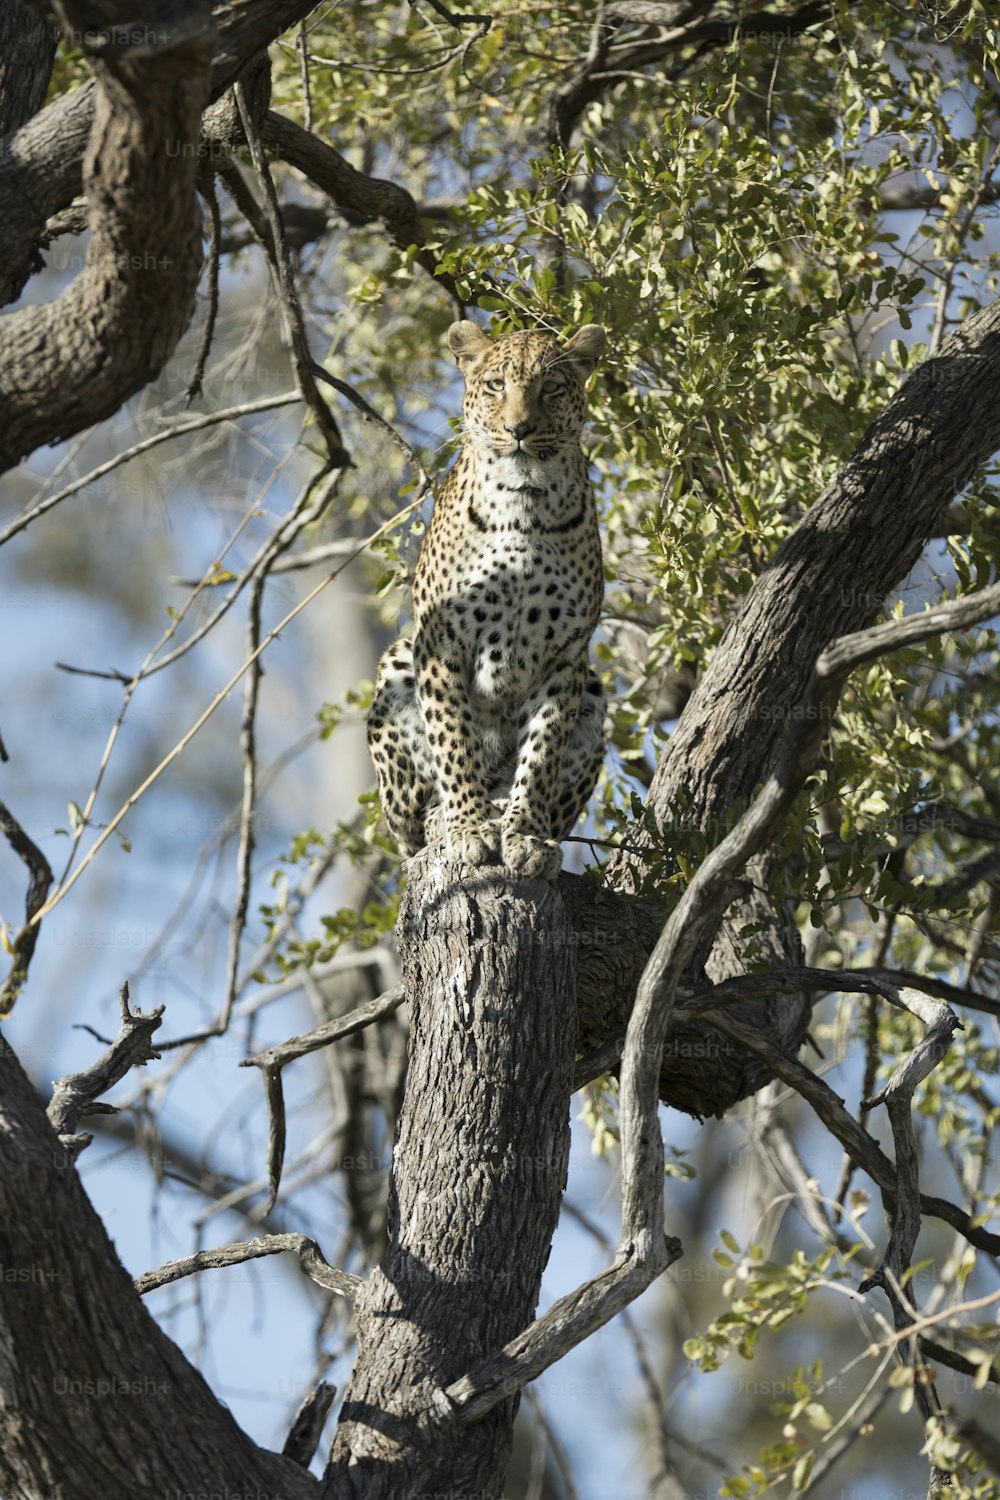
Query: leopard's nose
x=519 y=430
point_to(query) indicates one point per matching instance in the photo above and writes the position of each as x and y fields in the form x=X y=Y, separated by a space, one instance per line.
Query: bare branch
x=275 y=1058
x=859 y=1145
x=373 y=197
x=311 y=1259
x=904 y=1205
x=180 y=429
x=40 y=879
x=74 y=1095
x=294 y=327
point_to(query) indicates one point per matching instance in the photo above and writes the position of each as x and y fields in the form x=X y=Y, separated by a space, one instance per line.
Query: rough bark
x=72 y=361
x=478 y=1170
x=41 y=167
x=130 y=141
x=95 y=1400
x=703 y=1072
x=27 y=48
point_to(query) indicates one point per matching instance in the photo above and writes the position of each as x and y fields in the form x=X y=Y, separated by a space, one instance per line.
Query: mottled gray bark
x=130 y=142
x=478 y=1172
x=95 y=1400
x=70 y=362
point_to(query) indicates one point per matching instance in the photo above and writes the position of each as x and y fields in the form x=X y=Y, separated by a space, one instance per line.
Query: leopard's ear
x=467 y=342
x=585 y=348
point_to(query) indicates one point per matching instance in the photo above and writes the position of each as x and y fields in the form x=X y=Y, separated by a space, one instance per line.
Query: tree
x=716 y=188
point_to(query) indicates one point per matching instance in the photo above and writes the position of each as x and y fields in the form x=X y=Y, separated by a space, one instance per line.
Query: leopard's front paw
x=474 y=843
x=531 y=857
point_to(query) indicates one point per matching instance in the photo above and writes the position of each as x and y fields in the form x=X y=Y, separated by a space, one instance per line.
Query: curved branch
x=371 y=198
x=70 y=362
x=311 y=1259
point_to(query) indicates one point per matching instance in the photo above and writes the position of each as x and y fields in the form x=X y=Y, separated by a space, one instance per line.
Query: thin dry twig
x=904 y=1207
x=206 y=182
x=274 y=1059
x=248 y=740
x=277 y=1057
x=179 y=429
x=220 y=697
x=280 y=259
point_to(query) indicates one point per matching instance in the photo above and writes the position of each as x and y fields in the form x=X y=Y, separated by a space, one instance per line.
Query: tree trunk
x=479 y=1167
x=95 y=1399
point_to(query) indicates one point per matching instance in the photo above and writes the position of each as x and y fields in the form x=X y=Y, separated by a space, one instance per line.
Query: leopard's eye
x=551 y=388
x=494 y=385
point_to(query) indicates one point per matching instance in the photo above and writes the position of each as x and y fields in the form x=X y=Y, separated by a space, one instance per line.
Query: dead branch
x=309 y=1254
x=39 y=881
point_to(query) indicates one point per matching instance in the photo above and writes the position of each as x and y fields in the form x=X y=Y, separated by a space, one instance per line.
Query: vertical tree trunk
x=478 y=1171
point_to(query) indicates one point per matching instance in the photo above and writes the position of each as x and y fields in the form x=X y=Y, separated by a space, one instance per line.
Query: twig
x=74 y=1095
x=295 y=333
x=275 y=1058
x=559 y=1455
x=904 y=1207
x=309 y=557
x=207 y=185
x=248 y=746
x=276 y=1134
x=303 y=46
x=357 y=195
x=39 y=880
x=371 y=415
x=149 y=666
x=294 y=521
x=833 y=1448
x=194 y=424
x=843 y=1126
x=344 y=1283
x=203 y=718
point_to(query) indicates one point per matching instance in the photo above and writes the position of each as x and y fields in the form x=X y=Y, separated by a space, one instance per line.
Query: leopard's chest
x=517 y=606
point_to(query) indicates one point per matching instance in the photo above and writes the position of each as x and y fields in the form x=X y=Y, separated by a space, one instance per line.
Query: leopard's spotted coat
x=493 y=698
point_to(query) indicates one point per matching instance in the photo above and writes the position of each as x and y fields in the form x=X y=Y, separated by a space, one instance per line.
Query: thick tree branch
x=371 y=198
x=72 y=361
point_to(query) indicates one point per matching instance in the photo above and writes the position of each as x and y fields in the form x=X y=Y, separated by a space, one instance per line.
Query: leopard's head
x=524 y=393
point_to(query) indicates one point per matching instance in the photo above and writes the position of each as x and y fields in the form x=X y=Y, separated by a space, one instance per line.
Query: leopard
x=486 y=728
